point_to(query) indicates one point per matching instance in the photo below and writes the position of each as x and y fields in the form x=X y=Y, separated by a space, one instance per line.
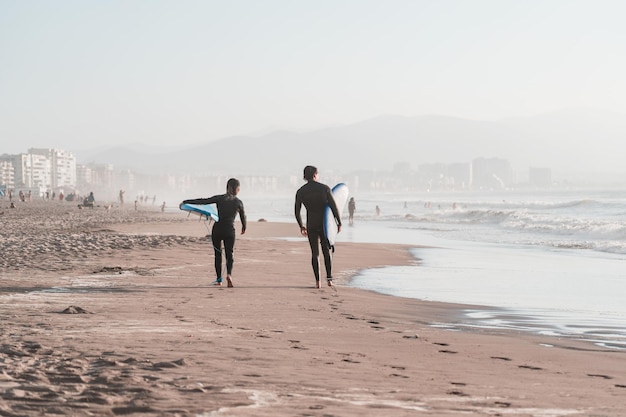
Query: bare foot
x=229 y=281
x=330 y=282
x=217 y=282
x=318 y=284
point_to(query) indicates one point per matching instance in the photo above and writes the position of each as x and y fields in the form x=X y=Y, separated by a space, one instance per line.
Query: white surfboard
x=340 y=194
x=206 y=211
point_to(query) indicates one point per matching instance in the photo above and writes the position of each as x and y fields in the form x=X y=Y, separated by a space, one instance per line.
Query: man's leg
x=315 y=255
x=328 y=260
x=217 y=242
x=229 y=246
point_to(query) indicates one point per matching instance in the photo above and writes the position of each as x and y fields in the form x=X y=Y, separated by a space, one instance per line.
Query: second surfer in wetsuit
x=315 y=196
x=228 y=205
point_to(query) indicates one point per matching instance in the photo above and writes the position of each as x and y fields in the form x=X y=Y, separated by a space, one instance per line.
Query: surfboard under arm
x=206 y=211
x=340 y=195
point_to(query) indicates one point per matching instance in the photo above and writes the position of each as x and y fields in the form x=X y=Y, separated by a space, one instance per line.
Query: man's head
x=232 y=186
x=309 y=172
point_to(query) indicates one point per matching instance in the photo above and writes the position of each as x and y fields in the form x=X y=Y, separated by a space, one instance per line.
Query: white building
x=32 y=171
x=98 y=176
x=7 y=172
x=62 y=165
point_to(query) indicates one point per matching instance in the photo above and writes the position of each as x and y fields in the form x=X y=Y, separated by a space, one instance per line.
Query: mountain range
x=569 y=140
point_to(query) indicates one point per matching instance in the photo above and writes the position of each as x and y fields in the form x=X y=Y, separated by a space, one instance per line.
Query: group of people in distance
x=315 y=197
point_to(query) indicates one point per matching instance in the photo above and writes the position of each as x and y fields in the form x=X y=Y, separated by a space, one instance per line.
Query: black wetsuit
x=224 y=230
x=315 y=196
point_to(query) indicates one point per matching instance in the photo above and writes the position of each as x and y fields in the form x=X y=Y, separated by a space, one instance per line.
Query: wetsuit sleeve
x=298 y=209
x=333 y=206
x=209 y=200
x=242 y=217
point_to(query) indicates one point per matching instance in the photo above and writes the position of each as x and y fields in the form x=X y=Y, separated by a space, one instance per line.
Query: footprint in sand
x=457 y=393
x=296 y=345
x=532 y=368
x=600 y=376
x=501 y=358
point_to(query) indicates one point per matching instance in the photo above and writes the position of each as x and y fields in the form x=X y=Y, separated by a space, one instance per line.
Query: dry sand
x=109 y=313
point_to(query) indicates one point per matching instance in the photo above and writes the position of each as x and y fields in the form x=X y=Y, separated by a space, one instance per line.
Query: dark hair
x=231 y=186
x=309 y=172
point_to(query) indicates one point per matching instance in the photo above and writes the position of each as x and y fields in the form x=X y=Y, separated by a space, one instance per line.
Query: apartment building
x=7 y=173
x=32 y=171
x=62 y=166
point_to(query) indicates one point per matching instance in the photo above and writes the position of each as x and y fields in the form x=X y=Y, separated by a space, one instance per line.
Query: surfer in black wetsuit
x=315 y=196
x=228 y=205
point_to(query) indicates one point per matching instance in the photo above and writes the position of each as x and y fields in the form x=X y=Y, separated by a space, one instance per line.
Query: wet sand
x=111 y=312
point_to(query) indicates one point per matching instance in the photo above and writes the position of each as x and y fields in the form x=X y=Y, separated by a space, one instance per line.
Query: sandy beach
x=112 y=312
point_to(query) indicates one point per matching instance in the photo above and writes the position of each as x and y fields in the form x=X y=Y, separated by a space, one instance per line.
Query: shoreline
x=151 y=336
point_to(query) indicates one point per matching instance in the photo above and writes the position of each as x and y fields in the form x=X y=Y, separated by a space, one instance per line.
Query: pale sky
x=80 y=74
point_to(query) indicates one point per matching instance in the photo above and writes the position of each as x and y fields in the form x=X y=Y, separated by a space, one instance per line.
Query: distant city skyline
x=574 y=143
x=78 y=75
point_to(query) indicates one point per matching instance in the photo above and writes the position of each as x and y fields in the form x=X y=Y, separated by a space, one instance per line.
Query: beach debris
x=75 y=310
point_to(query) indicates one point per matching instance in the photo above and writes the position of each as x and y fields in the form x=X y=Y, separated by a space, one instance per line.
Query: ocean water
x=550 y=262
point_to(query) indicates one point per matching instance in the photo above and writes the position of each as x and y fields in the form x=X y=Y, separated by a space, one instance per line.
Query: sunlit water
x=545 y=262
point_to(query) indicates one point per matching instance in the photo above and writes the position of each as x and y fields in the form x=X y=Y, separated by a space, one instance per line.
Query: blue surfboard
x=207 y=211
x=340 y=194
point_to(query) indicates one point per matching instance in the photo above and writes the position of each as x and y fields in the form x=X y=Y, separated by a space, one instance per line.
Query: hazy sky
x=79 y=74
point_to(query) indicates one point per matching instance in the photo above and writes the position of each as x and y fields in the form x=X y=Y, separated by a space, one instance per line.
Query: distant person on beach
x=315 y=196
x=121 y=197
x=228 y=206
x=163 y=207
x=377 y=211
x=351 y=210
